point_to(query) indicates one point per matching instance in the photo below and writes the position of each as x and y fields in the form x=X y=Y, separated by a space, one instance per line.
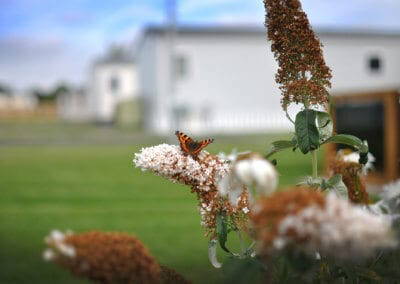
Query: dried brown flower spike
x=103 y=257
x=352 y=177
x=309 y=221
x=302 y=75
x=269 y=212
x=170 y=276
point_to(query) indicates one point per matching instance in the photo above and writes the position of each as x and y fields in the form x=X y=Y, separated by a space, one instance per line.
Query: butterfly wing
x=200 y=146
x=184 y=141
x=189 y=146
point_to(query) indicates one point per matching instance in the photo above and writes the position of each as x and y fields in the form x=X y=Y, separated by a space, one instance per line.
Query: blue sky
x=46 y=41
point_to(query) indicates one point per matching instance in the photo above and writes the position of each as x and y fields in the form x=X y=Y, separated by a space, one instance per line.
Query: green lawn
x=84 y=187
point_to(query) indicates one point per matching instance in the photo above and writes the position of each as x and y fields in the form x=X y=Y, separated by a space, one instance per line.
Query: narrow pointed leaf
x=349 y=140
x=222 y=231
x=212 y=254
x=325 y=125
x=337 y=185
x=306 y=131
x=280 y=145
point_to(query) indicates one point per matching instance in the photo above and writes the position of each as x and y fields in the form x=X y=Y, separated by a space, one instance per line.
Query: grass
x=95 y=187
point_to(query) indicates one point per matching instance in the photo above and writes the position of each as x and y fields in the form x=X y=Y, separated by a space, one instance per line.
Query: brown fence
x=42 y=111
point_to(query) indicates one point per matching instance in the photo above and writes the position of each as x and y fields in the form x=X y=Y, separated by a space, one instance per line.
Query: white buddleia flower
x=248 y=171
x=203 y=174
x=170 y=162
x=57 y=246
x=389 y=205
x=255 y=171
x=338 y=229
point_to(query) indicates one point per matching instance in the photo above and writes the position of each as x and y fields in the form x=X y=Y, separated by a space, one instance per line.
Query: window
x=364 y=120
x=181 y=66
x=375 y=64
x=114 y=84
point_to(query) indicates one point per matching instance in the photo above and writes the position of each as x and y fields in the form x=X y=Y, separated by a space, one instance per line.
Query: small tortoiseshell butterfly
x=189 y=146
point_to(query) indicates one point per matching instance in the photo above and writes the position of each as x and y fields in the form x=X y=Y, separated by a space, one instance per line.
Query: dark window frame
x=181 y=66
x=375 y=64
x=114 y=84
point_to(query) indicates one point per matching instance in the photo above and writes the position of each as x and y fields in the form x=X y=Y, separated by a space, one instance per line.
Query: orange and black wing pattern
x=189 y=146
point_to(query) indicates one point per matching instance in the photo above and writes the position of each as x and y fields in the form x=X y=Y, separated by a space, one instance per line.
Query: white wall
x=224 y=89
x=348 y=58
x=103 y=99
x=230 y=78
x=147 y=74
x=73 y=107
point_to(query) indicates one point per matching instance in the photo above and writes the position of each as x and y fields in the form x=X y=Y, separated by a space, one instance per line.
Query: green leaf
x=349 y=140
x=325 y=125
x=337 y=185
x=312 y=182
x=334 y=180
x=222 y=231
x=306 y=131
x=368 y=273
x=280 y=145
x=212 y=254
x=334 y=184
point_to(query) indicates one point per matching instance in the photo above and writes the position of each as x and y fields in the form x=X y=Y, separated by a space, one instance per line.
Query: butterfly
x=189 y=146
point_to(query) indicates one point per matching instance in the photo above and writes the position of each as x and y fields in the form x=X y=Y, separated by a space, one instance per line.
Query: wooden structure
x=373 y=116
x=45 y=111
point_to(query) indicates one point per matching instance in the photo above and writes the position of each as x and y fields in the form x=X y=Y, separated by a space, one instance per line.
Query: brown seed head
x=352 y=178
x=171 y=276
x=302 y=75
x=269 y=212
x=110 y=258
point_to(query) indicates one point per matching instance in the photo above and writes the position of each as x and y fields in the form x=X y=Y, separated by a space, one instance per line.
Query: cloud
x=26 y=62
x=376 y=14
x=20 y=49
x=50 y=47
x=192 y=6
x=43 y=41
x=221 y=11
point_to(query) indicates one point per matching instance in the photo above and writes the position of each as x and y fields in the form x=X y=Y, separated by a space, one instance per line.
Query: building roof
x=116 y=55
x=258 y=30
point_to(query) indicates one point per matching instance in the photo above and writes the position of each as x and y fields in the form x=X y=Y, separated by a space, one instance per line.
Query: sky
x=44 y=42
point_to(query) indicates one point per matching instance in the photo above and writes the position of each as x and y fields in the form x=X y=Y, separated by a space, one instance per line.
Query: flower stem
x=314 y=161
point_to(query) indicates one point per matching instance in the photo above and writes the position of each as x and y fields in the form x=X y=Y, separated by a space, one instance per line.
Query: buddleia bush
x=326 y=229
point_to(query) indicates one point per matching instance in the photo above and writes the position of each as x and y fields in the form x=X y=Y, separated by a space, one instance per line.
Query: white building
x=17 y=102
x=225 y=75
x=73 y=106
x=113 y=81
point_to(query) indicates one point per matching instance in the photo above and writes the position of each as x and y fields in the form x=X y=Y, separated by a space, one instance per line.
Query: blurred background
x=84 y=84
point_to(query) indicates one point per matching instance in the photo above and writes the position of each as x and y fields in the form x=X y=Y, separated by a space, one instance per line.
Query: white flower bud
x=244 y=171
x=229 y=186
x=354 y=157
x=258 y=172
x=66 y=250
x=265 y=176
x=49 y=255
x=55 y=236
